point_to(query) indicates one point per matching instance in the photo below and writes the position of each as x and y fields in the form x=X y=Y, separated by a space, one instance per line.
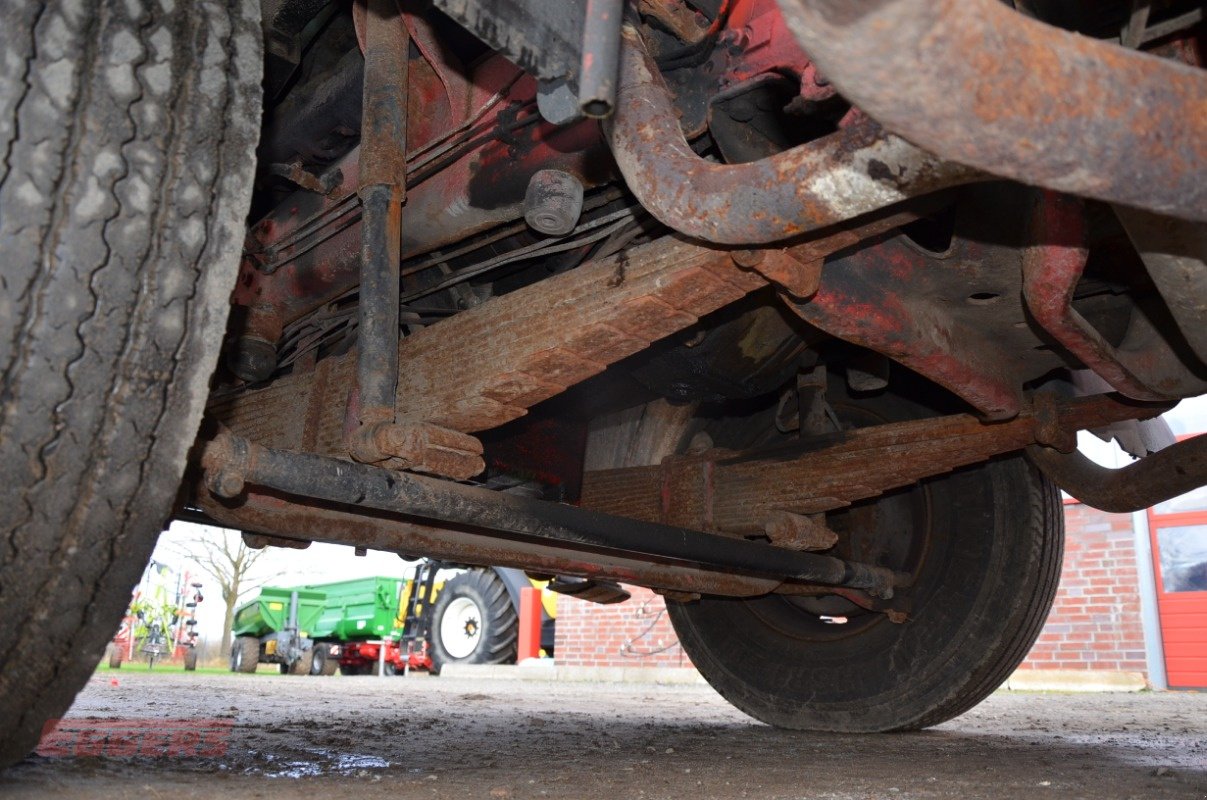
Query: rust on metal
x=798 y=532
x=1175 y=254
x=258 y=541
x=677 y=17
x=600 y=54
x=1178 y=469
x=954 y=314
x=383 y=143
x=558 y=332
x=1007 y=94
x=747 y=490
x=797 y=269
x=857 y=170
x=382 y=190
x=1144 y=366
x=885 y=299
x=302 y=521
x=423 y=447
x=306 y=251
x=513 y=516
x=798 y=278
x=539 y=340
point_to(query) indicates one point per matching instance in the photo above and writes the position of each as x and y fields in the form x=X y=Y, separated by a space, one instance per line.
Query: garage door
x=1179 y=539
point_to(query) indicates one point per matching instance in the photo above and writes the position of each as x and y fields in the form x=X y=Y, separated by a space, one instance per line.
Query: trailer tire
x=474 y=621
x=245 y=654
x=376 y=668
x=984 y=545
x=323 y=663
x=301 y=665
x=129 y=132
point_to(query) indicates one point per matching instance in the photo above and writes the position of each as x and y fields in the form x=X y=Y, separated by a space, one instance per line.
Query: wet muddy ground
x=422 y=737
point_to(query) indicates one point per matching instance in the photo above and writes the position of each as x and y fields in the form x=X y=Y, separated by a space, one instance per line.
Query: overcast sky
x=321 y=563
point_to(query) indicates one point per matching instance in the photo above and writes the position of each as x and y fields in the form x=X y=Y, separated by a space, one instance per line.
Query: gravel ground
x=457 y=738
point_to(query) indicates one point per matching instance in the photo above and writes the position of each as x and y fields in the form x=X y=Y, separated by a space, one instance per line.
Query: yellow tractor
x=473 y=617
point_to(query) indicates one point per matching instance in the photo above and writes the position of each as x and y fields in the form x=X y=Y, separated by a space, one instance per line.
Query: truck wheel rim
x=461 y=627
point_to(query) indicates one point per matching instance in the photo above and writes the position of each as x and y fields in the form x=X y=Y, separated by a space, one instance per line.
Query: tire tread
x=127 y=146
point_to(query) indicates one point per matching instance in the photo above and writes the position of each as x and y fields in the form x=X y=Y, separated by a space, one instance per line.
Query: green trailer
x=321 y=628
x=269 y=612
x=277 y=628
x=356 y=614
x=283 y=625
x=366 y=608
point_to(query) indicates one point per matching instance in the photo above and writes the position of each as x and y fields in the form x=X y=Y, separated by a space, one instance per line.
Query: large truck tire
x=984 y=546
x=128 y=131
x=245 y=654
x=780 y=662
x=474 y=621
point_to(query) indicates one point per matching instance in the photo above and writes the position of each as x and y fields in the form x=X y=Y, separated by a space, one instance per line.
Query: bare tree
x=229 y=562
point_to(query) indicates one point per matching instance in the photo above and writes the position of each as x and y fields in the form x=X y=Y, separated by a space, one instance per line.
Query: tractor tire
x=245 y=654
x=190 y=660
x=301 y=666
x=129 y=134
x=474 y=621
x=984 y=546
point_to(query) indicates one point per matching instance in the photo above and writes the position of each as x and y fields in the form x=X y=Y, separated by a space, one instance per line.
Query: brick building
x=1096 y=621
x=636 y=633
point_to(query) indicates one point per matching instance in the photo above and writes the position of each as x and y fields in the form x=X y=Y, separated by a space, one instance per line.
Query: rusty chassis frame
x=231 y=462
x=676 y=527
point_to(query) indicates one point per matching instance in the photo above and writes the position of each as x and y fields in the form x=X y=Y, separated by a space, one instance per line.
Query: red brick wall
x=635 y=633
x=1095 y=621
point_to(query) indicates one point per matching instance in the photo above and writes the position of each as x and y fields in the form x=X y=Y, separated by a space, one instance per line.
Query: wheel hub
x=461 y=627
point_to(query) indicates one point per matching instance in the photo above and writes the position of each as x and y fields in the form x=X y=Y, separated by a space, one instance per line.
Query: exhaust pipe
x=1161 y=476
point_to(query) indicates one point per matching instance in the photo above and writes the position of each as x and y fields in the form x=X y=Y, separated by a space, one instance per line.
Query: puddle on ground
x=325 y=763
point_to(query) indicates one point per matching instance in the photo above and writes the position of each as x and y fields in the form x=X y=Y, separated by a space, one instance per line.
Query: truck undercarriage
x=790 y=312
x=735 y=211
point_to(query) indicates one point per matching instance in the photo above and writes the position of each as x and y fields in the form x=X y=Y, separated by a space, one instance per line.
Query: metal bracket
x=573 y=48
